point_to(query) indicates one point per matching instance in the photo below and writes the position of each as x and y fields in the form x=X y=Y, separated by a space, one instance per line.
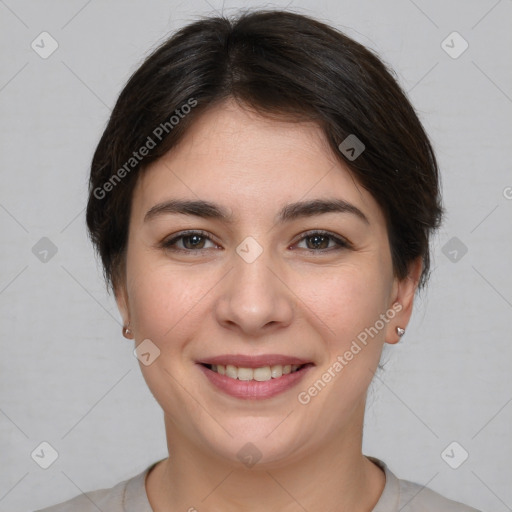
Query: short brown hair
x=285 y=65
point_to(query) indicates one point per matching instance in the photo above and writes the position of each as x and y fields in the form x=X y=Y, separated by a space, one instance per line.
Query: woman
x=262 y=200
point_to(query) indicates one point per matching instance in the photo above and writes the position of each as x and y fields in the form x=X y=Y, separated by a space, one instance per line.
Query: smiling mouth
x=260 y=374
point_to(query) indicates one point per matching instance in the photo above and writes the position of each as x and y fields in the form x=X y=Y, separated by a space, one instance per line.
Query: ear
x=121 y=296
x=404 y=291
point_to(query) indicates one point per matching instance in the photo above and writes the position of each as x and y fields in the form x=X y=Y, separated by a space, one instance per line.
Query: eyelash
x=340 y=242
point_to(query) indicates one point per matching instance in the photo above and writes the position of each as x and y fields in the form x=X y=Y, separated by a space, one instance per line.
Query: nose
x=255 y=298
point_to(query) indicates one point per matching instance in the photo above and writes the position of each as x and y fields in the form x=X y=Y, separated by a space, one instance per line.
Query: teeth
x=276 y=371
x=231 y=371
x=261 y=374
x=245 y=373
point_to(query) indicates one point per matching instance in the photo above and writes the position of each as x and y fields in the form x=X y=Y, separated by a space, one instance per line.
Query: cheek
x=166 y=308
x=345 y=300
x=165 y=302
x=349 y=302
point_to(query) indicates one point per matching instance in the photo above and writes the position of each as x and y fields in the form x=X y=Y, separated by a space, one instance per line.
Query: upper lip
x=247 y=361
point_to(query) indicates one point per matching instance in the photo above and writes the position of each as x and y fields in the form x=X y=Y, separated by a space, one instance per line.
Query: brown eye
x=319 y=241
x=194 y=241
x=190 y=241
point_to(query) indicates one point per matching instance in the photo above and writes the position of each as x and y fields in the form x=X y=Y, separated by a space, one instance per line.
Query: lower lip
x=253 y=389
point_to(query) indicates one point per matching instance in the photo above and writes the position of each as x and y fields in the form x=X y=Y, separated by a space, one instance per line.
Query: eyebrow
x=292 y=211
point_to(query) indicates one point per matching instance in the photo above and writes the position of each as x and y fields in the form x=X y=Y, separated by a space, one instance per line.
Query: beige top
x=130 y=496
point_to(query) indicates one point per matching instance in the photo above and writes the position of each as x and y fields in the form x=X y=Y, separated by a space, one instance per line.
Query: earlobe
x=127 y=332
x=404 y=295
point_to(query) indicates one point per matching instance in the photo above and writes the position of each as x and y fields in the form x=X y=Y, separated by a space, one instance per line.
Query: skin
x=209 y=301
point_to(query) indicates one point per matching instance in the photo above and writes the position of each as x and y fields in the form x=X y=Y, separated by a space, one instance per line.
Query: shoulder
x=103 y=499
x=405 y=496
x=125 y=496
x=416 y=498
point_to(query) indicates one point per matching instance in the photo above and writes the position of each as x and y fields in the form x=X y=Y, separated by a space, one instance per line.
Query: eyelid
x=172 y=239
x=340 y=241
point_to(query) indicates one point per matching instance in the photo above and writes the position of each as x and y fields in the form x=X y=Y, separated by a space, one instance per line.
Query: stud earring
x=400 y=331
x=127 y=331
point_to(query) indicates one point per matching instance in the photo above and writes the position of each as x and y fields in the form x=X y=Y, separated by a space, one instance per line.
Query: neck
x=333 y=477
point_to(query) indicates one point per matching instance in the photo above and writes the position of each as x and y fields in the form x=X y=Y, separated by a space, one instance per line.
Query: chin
x=263 y=442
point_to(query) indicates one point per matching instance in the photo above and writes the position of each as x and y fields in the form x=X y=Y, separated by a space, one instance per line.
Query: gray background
x=67 y=375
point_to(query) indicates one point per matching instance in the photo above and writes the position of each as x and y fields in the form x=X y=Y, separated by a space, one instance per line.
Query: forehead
x=250 y=163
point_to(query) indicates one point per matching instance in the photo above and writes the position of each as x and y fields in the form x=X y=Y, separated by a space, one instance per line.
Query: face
x=266 y=321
